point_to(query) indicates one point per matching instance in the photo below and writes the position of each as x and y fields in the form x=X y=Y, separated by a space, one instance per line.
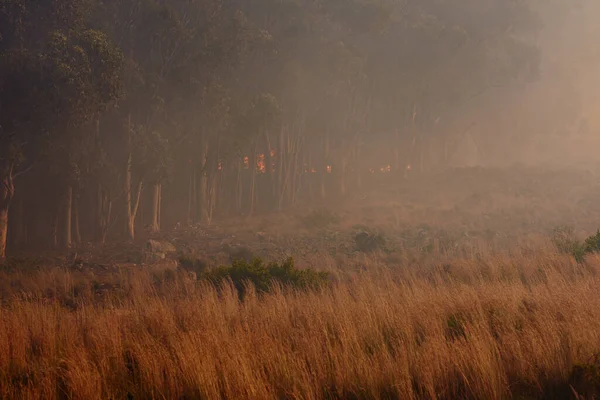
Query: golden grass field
x=481 y=321
x=520 y=326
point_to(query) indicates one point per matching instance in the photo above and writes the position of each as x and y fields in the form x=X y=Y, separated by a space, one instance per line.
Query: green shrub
x=368 y=242
x=262 y=275
x=565 y=242
x=193 y=265
x=592 y=243
x=320 y=218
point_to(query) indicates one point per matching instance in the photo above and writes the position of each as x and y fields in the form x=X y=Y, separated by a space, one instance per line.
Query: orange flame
x=328 y=169
x=260 y=164
x=246 y=163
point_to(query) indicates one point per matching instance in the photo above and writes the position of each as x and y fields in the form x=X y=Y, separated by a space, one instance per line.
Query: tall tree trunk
x=7 y=191
x=156 y=194
x=323 y=171
x=239 y=188
x=203 y=199
x=132 y=204
x=21 y=224
x=3 y=230
x=55 y=241
x=76 y=225
x=192 y=196
x=253 y=161
x=67 y=240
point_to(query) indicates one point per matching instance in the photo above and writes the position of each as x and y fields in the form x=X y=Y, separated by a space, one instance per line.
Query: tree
x=56 y=74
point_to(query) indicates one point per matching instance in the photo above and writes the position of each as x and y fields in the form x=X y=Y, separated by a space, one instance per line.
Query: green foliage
x=262 y=275
x=564 y=240
x=592 y=243
x=193 y=264
x=320 y=218
x=368 y=241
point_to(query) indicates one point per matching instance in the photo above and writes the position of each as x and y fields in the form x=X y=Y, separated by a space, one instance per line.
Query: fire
x=385 y=169
x=313 y=171
x=246 y=163
x=408 y=167
x=273 y=152
x=260 y=164
x=328 y=169
x=220 y=166
x=372 y=170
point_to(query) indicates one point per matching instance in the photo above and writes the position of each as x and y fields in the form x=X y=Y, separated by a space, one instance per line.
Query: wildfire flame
x=246 y=163
x=260 y=164
x=328 y=169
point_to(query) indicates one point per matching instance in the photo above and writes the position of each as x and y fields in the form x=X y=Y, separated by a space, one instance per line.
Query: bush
x=320 y=218
x=193 y=265
x=368 y=242
x=565 y=242
x=262 y=275
x=592 y=243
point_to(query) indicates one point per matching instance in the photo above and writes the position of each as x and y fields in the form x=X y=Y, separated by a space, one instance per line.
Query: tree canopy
x=238 y=106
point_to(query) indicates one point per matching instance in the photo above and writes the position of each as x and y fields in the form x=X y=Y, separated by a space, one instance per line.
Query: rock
x=154 y=246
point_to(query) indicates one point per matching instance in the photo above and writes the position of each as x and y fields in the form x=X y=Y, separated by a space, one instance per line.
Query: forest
x=126 y=116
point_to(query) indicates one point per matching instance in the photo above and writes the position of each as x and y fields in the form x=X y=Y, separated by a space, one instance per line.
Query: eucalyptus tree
x=55 y=74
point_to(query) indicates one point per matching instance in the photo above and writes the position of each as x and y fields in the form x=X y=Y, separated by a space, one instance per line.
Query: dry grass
x=492 y=328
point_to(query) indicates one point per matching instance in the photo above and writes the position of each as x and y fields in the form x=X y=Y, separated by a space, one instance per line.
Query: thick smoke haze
x=554 y=119
x=119 y=116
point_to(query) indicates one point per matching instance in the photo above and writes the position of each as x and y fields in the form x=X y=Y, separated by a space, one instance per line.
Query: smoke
x=555 y=119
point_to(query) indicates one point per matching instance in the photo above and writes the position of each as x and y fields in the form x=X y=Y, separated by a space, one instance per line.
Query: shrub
x=592 y=243
x=193 y=265
x=262 y=275
x=565 y=242
x=320 y=218
x=368 y=242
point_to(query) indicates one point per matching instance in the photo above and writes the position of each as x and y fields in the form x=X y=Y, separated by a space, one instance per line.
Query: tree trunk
x=131 y=205
x=3 y=230
x=203 y=196
x=253 y=161
x=103 y=211
x=76 y=226
x=7 y=191
x=55 y=241
x=67 y=240
x=156 y=194
x=192 y=196
x=239 y=188
x=20 y=225
x=202 y=188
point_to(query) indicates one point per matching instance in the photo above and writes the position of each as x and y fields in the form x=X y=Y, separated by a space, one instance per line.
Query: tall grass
x=492 y=328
